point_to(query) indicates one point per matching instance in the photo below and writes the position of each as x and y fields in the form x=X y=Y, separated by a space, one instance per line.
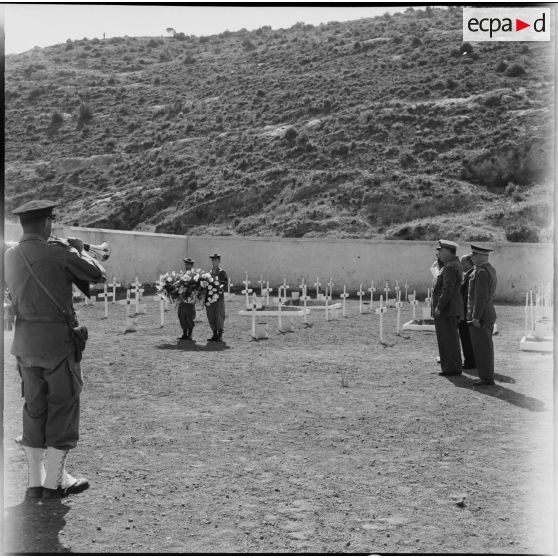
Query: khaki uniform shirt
x=40 y=329
x=482 y=285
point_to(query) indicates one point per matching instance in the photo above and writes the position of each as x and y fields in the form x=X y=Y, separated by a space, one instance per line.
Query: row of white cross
x=327 y=296
x=538 y=305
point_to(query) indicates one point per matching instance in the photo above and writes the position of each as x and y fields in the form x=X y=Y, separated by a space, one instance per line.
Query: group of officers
x=463 y=311
x=40 y=276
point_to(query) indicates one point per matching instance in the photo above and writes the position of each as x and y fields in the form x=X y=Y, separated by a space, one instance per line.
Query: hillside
x=389 y=127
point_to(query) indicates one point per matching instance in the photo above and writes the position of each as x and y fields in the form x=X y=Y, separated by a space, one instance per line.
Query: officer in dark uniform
x=187 y=309
x=43 y=347
x=481 y=314
x=216 y=310
x=466 y=346
x=447 y=308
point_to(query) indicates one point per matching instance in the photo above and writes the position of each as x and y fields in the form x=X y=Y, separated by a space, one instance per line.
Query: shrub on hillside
x=521 y=233
x=451 y=83
x=502 y=66
x=35 y=93
x=85 y=114
x=466 y=48
x=290 y=134
x=56 y=119
x=515 y=70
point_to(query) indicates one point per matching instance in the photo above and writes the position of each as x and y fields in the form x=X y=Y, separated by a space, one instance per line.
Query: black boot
x=184 y=335
x=189 y=334
x=219 y=335
x=214 y=338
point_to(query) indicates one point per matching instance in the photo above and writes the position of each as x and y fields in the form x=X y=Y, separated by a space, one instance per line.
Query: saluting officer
x=216 y=310
x=43 y=347
x=447 y=308
x=187 y=309
x=481 y=314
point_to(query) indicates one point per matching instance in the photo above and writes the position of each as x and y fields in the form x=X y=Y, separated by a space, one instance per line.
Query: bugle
x=99 y=251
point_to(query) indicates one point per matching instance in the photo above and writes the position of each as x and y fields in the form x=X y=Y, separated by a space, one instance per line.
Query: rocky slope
x=389 y=127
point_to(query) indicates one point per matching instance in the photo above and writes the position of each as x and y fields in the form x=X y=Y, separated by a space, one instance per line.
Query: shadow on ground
x=190 y=346
x=35 y=524
x=499 y=392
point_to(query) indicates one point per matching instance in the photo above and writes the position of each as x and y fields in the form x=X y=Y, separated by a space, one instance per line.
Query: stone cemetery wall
x=520 y=266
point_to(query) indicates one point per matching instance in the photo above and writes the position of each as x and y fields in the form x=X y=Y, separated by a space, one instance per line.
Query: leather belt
x=41 y=318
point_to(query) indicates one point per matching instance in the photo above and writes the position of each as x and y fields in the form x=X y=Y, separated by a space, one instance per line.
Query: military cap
x=215 y=256
x=480 y=249
x=188 y=260
x=35 y=206
x=448 y=244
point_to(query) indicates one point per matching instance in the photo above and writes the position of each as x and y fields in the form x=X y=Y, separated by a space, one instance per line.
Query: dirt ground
x=256 y=447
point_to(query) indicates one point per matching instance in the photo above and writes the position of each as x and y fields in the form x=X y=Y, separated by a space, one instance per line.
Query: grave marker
x=381 y=310
x=317 y=284
x=371 y=289
x=131 y=324
x=105 y=295
x=228 y=294
x=344 y=296
x=137 y=292
x=330 y=285
x=360 y=294
x=304 y=299
x=247 y=291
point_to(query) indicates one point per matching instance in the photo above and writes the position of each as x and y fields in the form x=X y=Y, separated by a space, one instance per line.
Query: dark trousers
x=216 y=314
x=466 y=345
x=448 y=343
x=483 y=347
x=186 y=315
x=51 y=410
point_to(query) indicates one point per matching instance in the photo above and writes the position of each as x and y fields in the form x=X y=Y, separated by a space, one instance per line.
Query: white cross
x=267 y=291
x=330 y=285
x=284 y=286
x=261 y=282
x=105 y=295
x=161 y=300
x=386 y=290
x=360 y=295
x=246 y=290
x=303 y=286
x=344 y=296
x=372 y=290
x=317 y=284
x=406 y=287
x=414 y=303
x=130 y=323
x=137 y=292
x=381 y=310
x=398 y=305
x=254 y=304
x=137 y=285
x=304 y=298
